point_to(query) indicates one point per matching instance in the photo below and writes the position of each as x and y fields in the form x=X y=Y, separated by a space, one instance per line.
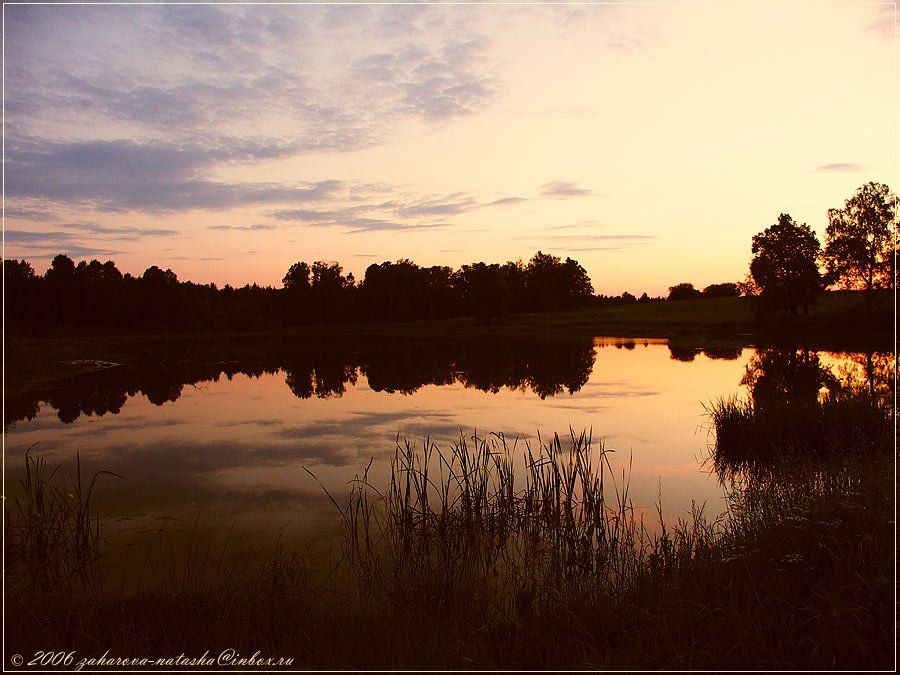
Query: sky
x=648 y=142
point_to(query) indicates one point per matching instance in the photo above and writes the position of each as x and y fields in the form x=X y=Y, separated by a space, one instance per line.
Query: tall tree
x=861 y=240
x=784 y=265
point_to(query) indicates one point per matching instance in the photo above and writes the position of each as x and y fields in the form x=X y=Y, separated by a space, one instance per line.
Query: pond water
x=222 y=436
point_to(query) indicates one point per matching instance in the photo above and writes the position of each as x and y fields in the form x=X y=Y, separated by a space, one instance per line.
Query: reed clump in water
x=764 y=434
x=467 y=525
x=54 y=535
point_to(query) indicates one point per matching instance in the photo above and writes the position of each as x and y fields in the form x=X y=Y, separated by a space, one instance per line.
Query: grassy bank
x=462 y=561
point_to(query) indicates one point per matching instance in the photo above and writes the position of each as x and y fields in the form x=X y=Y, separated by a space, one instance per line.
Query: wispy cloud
x=256 y=227
x=560 y=189
x=26 y=213
x=506 y=201
x=27 y=237
x=120 y=233
x=601 y=237
x=840 y=167
x=586 y=243
x=578 y=225
x=48 y=244
x=438 y=205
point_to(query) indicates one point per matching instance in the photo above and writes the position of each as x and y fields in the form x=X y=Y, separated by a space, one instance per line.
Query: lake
x=221 y=435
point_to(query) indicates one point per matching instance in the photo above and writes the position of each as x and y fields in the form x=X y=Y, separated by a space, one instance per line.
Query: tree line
x=99 y=296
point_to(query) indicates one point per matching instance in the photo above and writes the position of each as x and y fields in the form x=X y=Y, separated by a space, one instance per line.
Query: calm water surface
x=222 y=441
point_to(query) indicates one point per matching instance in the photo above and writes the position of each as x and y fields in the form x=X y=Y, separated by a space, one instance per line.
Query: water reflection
x=224 y=430
x=688 y=352
x=323 y=370
x=774 y=376
x=796 y=374
x=802 y=405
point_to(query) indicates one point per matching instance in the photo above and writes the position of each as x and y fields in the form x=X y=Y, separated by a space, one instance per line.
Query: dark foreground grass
x=468 y=560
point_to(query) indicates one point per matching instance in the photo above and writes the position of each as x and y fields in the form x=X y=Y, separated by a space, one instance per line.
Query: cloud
x=48 y=244
x=54 y=238
x=374 y=225
x=507 y=201
x=572 y=226
x=402 y=212
x=345 y=16
x=257 y=227
x=840 y=167
x=433 y=205
x=71 y=250
x=588 y=249
x=350 y=218
x=26 y=213
x=591 y=242
x=562 y=189
x=602 y=237
x=182 y=71
x=120 y=233
x=27 y=237
x=127 y=175
x=202 y=92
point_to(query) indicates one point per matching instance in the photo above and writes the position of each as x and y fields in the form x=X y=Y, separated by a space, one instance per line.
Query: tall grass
x=494 y=554
x=54 y=534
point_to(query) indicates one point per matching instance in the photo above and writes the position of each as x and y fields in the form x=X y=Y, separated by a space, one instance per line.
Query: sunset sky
x=649 y=142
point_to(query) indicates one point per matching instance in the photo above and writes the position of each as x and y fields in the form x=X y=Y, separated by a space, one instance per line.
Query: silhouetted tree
x=297 y=291
x=726 y=290
x=485 y=291
x=683 y=291
x=784 y=265
x=860 y=240
x=330 y=290
x=297 y=277
x=159 y=298
x=516 y=277
x=61 y=290
x=20 y=305
x=577 y=287
x=748 y=287
x=553 y=284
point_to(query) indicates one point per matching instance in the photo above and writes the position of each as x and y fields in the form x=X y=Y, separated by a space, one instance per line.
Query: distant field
x=838 y=313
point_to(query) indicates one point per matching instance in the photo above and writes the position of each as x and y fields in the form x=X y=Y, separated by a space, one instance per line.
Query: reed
x=54 y=535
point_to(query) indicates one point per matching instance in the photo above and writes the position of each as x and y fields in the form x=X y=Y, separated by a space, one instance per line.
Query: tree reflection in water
x=325 y=370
